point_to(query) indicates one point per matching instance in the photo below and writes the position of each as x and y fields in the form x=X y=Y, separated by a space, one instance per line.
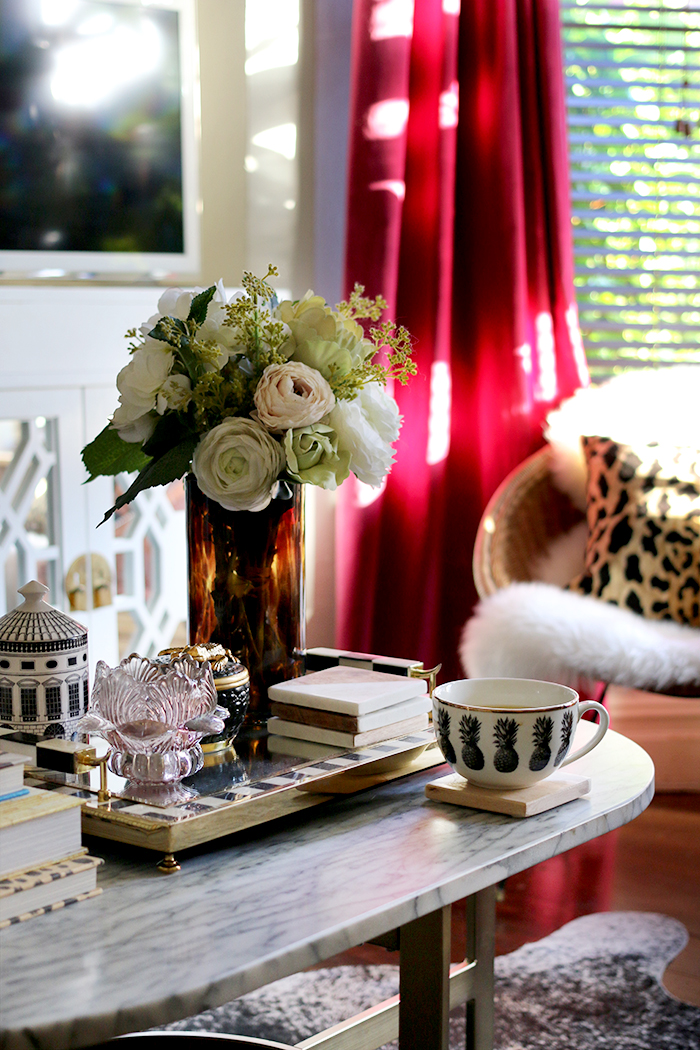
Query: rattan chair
x=522 y=518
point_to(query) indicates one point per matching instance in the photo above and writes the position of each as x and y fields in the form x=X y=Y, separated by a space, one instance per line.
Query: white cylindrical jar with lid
x=44 y=687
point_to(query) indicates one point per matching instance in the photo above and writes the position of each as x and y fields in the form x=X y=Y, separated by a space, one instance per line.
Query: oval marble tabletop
x=271 y=901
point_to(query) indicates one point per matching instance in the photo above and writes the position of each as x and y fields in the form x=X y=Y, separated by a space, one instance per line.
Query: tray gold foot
x=168 y=865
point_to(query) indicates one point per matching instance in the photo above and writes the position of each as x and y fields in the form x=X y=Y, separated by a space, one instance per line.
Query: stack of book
x=43 y=865
x=12 y=776
x=345 y=707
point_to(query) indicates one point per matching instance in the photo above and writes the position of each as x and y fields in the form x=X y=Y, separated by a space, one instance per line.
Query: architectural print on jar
x=44 y=686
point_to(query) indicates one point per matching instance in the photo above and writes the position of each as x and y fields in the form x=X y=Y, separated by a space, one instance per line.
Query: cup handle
x=590 y=705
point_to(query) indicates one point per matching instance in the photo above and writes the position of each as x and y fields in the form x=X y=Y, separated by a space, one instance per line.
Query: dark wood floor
x=651 y=864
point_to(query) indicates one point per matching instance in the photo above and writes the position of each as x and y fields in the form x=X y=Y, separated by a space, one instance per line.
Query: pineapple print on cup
x=470 y=731
x=505 y=734
x=542 y=739
x=567 y=726
x=442 y=728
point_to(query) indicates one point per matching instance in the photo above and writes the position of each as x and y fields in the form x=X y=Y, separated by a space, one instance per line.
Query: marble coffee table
x=274 y=900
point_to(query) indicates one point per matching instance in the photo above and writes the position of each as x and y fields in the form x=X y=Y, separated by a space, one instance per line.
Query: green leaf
x=170 y=431
x=109 y=454
x=198 y=308
x=162 y=332
x=173 y=465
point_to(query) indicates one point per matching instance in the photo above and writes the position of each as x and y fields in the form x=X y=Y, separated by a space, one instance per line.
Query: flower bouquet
x=251 y=392
x=252 y=398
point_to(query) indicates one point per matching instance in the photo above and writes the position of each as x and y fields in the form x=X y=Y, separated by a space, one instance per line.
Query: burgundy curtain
x=458 y=213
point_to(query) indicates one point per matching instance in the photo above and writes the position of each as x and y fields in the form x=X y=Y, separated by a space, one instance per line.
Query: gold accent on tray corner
x=87 y=757
x=428 y=673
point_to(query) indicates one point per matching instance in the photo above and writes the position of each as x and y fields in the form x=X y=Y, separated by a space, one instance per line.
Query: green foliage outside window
x=633 y=96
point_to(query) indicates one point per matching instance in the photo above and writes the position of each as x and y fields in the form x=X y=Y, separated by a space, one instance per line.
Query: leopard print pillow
x=643 y=511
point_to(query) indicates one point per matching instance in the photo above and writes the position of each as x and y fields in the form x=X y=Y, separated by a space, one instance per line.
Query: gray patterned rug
x=592 y=985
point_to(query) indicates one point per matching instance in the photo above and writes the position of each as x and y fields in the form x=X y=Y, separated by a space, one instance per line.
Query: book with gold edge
x=38 y=828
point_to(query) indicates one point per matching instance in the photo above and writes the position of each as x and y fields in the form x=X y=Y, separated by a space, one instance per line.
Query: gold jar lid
x=228 y=672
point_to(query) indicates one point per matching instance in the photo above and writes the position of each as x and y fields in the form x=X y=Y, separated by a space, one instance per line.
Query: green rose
x=313 y=457
x=325 y=355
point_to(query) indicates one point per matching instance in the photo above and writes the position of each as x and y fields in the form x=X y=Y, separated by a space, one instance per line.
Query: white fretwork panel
x=29 y=519
x=49 y=518
x=151 y=569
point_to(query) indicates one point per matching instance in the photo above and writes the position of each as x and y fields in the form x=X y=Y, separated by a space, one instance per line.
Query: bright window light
x=267 y=20
x=439 y=414
x=366 y=495
x=386 y=119
x=546 y=358
x=282 y=139
x=391 y=18
x=56 y=12
x=449 y=106
x=284 y=51
x=395 y=186
x=89 y=73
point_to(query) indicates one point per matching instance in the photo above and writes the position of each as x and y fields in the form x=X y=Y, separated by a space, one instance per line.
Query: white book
x=348 y=690
x=41 y=827
x=11 y=772
x=277 y=726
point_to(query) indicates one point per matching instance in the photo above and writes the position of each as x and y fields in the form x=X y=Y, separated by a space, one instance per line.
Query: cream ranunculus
x=139 y=381
x=313 y=456
x=311 y=321
x=323 y=355
x=366 y=427
x=237 y=463
x=175 y=393
x=292 y=395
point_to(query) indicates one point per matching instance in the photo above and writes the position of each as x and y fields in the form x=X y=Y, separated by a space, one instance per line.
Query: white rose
x=174 y=302
x=175 y=393
x=237 y=463
x=366 y=427
x=292 y=395
x=140 y=380
x=133 y=430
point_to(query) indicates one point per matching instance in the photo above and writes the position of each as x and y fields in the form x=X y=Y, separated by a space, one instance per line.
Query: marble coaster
x=347 y=690
x=554 y=791
x=277 y=726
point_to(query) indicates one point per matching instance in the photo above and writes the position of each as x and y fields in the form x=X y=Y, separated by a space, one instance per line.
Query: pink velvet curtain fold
x=458 y=212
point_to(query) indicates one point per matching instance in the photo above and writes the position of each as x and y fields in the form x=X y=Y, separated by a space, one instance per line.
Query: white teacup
x=510 y=732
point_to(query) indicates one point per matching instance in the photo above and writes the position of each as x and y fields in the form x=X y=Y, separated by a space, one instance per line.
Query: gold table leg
x=481 y=942
x=424 y=975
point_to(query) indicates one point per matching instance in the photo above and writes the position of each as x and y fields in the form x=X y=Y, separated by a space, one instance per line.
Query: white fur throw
x=654 y=404
x=537 y=630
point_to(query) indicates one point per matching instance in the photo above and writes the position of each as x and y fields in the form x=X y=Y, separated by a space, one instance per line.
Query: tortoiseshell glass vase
x=246 y=586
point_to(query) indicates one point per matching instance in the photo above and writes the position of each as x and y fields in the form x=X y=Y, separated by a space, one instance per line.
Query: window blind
x=633 y=103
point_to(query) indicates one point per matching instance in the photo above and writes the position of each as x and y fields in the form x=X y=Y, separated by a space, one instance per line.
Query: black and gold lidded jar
x=232 y=683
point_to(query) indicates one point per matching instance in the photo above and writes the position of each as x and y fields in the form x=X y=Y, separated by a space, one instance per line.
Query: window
x=6 y=703
x=53 y=702
x=633 y=85
x=73 y=699
x=86 y=694
x=28 y=698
